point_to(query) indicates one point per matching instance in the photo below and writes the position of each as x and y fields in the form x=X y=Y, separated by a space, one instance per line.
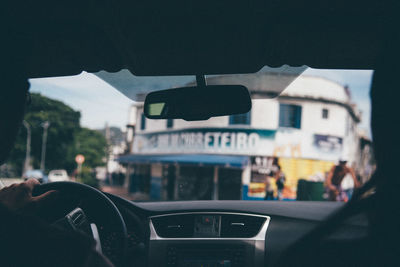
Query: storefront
x=304 y=131
x=229 y=163
x=186 y=176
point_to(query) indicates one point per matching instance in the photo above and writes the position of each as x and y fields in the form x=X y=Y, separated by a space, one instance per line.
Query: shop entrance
x=229 y=184
x=195 y=183
x=168 y=182
x=140 y=179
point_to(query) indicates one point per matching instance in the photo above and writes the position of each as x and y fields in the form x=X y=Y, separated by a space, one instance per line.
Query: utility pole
x=45 y=126
x=109 y=147
x=27 y=164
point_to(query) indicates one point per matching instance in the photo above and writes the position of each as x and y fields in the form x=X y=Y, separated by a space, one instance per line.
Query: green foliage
x=65 y=139
x=88 y=176
x=92 y=145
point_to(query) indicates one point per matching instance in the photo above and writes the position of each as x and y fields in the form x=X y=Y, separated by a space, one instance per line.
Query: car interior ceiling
x=60 y=39
x=111 y=39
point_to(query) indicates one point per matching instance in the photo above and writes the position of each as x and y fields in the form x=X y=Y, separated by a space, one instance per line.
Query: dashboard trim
x=258 y=241
x=260 y=235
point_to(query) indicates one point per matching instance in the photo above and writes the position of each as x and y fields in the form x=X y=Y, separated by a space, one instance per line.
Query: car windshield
x=306 y=137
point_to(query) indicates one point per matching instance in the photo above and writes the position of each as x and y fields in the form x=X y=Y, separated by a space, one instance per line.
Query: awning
x=189 y=159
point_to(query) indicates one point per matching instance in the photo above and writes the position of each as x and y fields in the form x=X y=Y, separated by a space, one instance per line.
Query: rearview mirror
x=198 y=102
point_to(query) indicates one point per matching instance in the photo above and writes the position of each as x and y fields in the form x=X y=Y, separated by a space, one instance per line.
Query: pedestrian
x=280 y=180
x=339 y=182
x=269 y=190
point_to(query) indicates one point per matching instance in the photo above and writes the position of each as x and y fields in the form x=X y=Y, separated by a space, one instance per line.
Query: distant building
x=307 y=129
x=116 y=146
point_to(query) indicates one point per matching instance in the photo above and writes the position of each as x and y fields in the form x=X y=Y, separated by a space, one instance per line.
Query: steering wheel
x=83 y=208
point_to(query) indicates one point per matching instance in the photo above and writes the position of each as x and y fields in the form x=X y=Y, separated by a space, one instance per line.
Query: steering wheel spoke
x=77 y=220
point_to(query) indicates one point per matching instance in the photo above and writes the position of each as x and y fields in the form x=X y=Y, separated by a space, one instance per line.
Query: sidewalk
x=123 y=192
x=117 y=190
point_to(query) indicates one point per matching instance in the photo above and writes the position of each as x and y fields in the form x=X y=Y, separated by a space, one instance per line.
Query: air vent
x=174 y=226
x=240 y=226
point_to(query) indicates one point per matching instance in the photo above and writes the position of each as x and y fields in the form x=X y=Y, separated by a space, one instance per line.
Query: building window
x=289 y=116
x=170 y=123
x=243 y=119
x=325 y=113
x=142 y=122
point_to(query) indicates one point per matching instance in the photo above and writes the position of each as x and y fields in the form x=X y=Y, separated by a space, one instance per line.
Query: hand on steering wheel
x=18 y=197
x=101 y=220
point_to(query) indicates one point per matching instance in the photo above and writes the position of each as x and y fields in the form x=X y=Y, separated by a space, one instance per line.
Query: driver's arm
x=28 y=241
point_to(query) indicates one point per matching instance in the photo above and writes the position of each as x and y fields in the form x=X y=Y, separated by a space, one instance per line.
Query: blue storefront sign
x=206 y=140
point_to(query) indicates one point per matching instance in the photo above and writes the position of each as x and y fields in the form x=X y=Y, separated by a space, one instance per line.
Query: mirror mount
x=201 y=80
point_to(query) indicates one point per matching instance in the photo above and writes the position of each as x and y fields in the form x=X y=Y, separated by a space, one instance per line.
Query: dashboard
x=207 y=239
x=222 y=233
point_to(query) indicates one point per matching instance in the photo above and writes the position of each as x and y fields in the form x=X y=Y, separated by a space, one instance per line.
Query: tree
x=92 y=145
x=65 y=139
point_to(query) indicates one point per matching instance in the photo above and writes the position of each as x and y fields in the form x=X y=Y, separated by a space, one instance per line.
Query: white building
x=307 y=129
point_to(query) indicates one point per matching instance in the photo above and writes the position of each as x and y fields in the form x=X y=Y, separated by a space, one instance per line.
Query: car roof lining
x=148 y=39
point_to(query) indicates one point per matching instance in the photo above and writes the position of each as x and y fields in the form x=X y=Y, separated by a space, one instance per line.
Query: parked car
x=58 y=176
x=36 y=174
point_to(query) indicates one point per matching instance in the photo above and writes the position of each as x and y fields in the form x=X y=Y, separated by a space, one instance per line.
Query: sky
x=99 y=103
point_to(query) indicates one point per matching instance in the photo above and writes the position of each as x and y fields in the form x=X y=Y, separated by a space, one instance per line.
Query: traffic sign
x=79 y=159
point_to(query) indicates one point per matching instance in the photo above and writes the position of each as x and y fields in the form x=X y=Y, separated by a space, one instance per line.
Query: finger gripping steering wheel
x=101 y=216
